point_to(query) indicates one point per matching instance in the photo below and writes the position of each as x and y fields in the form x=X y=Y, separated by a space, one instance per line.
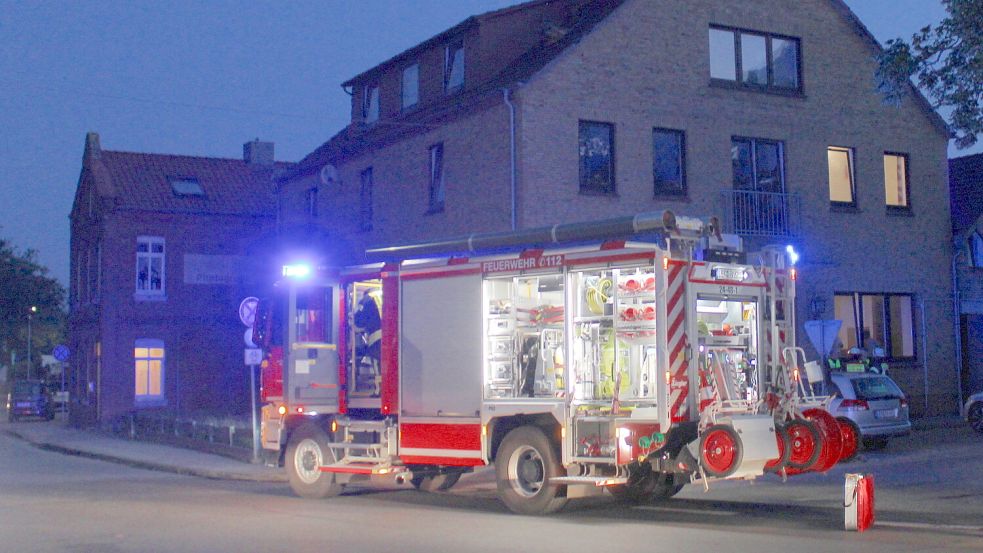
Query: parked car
x=973 y=411
x=29 y=398
x=874 y=403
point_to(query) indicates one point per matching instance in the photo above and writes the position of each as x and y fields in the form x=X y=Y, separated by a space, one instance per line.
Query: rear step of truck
x=597 y=481
x=370 y=456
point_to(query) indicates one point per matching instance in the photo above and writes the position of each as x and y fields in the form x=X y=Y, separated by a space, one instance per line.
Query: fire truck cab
x=636 y=367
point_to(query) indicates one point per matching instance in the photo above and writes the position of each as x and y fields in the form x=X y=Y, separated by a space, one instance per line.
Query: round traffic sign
x=247 y=310
x=61 y=352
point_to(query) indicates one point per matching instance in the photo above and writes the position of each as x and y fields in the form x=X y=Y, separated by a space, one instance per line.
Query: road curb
x=147 y=465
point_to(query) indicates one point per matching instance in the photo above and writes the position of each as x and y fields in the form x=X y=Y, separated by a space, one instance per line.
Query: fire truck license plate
x=728 y=273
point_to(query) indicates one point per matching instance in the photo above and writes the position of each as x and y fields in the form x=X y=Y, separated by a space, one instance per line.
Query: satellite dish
x=329 y=174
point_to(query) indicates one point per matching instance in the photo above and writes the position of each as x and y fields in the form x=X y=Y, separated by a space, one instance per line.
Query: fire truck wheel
x=720 y=451
x=524 y=464
x=804 y=444
x=851 y=438
x=665 y=486
x=639 y=488
x=436 y=482
x=307 y=452
x=784 y=450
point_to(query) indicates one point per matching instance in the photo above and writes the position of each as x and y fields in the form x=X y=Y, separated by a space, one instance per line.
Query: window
x=150 y=266
x=365 y=200
x=596 y=157
x=877 y=321
x=669 y=162
x=410 y=91
x=186 y=186
x=758 y=164
x=755 y=60
x=896 y=180
x=436 y=178
x=840 y=161
x=454 y=67
x=148 y=371
x=976 y=250
x=370 y=104
x=312 y=202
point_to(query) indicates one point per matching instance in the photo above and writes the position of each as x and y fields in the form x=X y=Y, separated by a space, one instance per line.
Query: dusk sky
x=201 y=78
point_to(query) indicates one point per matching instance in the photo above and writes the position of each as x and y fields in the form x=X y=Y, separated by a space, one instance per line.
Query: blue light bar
x=300 y=270
x=793 y=256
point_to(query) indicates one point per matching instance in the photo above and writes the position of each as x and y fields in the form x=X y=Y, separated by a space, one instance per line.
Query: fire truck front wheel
x=524 y=465
x=307 y=452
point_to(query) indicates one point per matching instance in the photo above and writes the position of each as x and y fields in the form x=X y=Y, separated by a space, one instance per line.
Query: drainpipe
x=957 y=322
x=925 y=356
x=512 y=179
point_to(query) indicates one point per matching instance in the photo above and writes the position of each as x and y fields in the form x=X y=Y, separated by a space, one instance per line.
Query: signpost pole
x=252 y=410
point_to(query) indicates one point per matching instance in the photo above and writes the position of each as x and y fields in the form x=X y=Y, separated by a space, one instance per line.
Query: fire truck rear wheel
x=307 y=452
x=666 y=486
x=524 y=464
x=436 y=482
x=721 y=451
x=639 y=488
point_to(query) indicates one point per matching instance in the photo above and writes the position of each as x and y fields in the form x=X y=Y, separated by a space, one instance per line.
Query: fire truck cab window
x=312 y=317
x=524 y=326
x=363 y=304
x=728 y=337
x=614 y=353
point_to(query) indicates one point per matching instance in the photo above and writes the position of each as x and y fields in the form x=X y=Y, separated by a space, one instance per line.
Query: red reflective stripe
x=648 y=256
x=728 y=282
x=389 y=354
x=342 y=353
x=446 y=461
x=440 y=436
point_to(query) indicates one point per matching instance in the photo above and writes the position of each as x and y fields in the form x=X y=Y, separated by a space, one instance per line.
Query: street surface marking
x=928 y=526
x=688 y=511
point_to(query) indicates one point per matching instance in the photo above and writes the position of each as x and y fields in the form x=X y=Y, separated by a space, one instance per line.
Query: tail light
x=856 y=404
x=903 y=402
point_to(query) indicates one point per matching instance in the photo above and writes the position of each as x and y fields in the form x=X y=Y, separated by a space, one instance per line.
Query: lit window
x=755 y=60
x=148 y=371
x=896 y=180
x=669 y=162
x=877 y=321
x=454 y=67
x=370 y=104
x=840 y=161
x=365 y=200
x=436 y=178
x=150 y=266
x=410 y=90
x=596 y=149
x=186 y=186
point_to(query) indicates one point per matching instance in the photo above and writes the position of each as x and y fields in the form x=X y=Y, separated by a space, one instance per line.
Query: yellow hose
x=597 y=295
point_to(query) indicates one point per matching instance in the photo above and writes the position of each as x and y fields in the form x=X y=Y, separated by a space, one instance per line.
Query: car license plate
x=728 y=273
x=886 y=413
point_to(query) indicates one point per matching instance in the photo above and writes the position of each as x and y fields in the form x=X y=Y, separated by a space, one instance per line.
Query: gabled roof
x=966 y=191
x=356 y=137
x=143 y=182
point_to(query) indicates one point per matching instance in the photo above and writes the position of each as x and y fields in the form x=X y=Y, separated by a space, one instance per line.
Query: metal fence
x=753 y=213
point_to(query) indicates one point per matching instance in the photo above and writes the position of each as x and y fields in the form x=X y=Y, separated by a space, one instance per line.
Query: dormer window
x=454 y=67
x=186 y=186
x=370 y=104
x=410 y=91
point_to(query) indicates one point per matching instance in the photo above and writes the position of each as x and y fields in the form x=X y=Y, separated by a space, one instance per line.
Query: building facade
x=763 y=113
x=161 y=259
x=966 y=183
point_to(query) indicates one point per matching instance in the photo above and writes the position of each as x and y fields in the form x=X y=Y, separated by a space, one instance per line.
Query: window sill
x=150 y=402
x=598 y=193
x=149 y=297
x=894 y=211
x=734 y=85
x=835 y=207
x=682 y=198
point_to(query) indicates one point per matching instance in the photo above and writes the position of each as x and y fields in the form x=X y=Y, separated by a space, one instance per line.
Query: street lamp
x=30 y=315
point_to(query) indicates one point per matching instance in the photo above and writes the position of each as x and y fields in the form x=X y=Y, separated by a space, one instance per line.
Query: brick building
x=966 y=183
x=160 y=249
x=762 y=112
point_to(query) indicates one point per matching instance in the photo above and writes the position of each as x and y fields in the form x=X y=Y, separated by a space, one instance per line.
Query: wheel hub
x=527 y=471
x=307 y=461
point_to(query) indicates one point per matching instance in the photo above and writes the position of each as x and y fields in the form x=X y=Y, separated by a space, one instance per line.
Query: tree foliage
x=947 y=63
x=25 y=283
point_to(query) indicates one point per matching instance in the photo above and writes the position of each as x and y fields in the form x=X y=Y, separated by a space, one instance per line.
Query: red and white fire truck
x=636 y=367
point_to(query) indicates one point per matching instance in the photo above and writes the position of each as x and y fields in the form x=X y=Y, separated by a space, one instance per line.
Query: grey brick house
x=966 y=183
x=161 y=248
x=762 y=112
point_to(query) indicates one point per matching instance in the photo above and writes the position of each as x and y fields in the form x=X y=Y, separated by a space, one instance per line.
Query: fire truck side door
x=312 y=357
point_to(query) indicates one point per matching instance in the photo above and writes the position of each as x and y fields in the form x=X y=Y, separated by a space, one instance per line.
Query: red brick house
x=161 y=259
x=763 y=112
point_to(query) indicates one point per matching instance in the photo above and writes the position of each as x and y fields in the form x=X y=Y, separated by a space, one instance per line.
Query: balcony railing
x=752 y=213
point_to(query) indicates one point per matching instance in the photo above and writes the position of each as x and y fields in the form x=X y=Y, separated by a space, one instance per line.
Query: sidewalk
x=58 y=436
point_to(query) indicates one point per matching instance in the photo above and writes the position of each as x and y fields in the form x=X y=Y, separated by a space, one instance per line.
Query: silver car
x=973 y=411
x=874 y=403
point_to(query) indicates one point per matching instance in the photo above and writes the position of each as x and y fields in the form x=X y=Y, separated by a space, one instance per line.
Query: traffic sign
x=253 y=356
x=247 y=310
x=247 y=338
x=61 y=353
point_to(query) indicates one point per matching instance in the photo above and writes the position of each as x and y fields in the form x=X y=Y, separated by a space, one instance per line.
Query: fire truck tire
x=639 y=488
x=721 y=451
x=436 y=482
x=307 y=452
x=831 y=441
x=784 y=451
x=851 y=438
x=804 y=445
x=524 y=464
x=665 y=486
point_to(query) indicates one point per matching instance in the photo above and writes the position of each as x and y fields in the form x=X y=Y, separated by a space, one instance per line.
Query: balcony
x=764 y=214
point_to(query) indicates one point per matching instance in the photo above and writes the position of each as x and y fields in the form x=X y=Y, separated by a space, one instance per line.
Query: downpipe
x=512 y=177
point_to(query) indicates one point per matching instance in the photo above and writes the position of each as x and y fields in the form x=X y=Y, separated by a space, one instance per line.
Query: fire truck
x=570 y=359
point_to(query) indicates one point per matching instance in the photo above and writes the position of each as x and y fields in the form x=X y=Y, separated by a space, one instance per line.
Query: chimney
x=93 y=150
x=257 y=153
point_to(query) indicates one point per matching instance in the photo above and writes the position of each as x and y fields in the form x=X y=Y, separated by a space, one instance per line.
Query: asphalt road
x=929 y=497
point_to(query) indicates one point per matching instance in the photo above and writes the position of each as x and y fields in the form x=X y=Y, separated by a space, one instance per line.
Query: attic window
x=186 y=186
